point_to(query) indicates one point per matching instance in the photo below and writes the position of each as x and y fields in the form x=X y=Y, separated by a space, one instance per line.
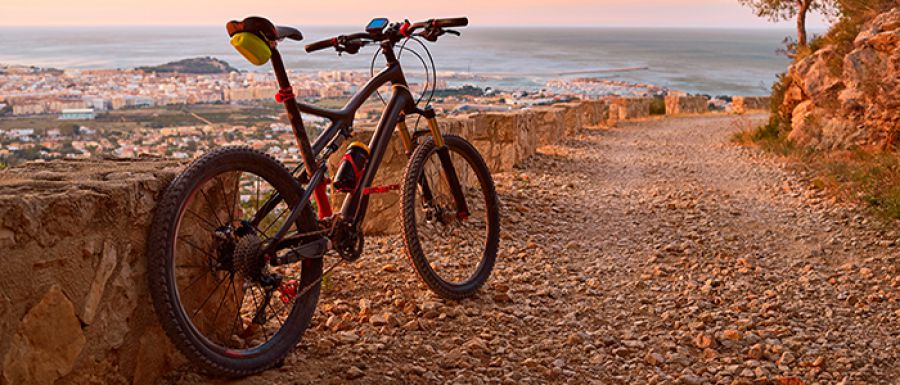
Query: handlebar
x=441 y=23
x=351 y=43
x=343 y=40
x=319 y=45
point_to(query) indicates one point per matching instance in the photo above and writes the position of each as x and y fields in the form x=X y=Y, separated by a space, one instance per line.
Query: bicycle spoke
x=237 y=196
x=240 y=306
x=225 y=198
x=275 y=314
x=275 y=221
x=218 y=285
x=224 y=297
x=256 y=312
x=212 y=226
x=198 y=248
x=193 y=282
x=211 y=207
x=256 y=228
x=281 y=309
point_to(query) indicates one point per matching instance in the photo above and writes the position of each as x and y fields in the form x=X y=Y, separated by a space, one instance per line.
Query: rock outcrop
x=835 y=101
x=74 y=305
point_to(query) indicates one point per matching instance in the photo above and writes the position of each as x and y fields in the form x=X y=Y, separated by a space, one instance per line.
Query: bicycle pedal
x=311 y=250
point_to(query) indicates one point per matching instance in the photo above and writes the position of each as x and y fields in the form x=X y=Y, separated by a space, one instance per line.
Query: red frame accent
x=404 y=29
x=381 y=189
x=322 y=202
x=284 y=95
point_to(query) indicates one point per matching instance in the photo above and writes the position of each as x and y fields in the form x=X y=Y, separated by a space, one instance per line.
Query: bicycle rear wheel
x=453 y=250
x=225 y=308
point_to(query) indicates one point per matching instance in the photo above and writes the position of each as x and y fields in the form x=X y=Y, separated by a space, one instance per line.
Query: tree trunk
x=801 y=22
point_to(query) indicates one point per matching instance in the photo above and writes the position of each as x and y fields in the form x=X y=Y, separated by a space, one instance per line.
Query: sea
x=706 y=61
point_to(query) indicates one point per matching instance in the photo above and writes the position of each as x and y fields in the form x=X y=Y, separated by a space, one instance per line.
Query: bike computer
x=376 y=25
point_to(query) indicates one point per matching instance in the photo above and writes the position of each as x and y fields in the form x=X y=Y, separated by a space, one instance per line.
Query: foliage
x=779 y=88
x=781 y=10
x=768 y=137
x=464 y=90
x=870 y=177
x=200 y=65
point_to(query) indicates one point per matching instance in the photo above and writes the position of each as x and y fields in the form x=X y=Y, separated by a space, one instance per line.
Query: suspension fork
x=462 y=209
x=409 y=146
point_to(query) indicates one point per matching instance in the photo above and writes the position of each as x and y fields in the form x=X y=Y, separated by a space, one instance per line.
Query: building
x=77 y=114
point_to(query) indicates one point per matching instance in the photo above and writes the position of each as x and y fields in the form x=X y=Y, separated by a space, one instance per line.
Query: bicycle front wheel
x=451 y=234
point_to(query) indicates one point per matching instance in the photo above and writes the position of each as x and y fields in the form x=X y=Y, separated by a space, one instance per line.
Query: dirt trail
x=655 y=252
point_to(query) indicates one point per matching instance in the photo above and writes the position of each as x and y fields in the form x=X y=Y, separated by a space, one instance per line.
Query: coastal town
x=184 y=108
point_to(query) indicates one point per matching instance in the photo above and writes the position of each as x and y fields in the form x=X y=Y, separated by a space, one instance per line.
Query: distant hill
x=199 y=65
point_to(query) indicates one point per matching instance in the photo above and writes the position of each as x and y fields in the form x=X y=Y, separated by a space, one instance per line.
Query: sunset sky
x=662 y=13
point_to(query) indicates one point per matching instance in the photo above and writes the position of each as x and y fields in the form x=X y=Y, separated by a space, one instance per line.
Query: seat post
x=286 y=95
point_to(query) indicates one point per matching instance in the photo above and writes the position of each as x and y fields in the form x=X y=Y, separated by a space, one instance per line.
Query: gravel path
x=655 y=252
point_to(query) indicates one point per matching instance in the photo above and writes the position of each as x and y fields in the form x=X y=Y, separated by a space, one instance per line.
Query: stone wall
x=74 y=303
x=686 y=105
x=744 y=104
x=629 y=108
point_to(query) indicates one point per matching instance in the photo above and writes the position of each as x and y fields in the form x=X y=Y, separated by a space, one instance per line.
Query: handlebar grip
x=319 y=45
x=451 y=22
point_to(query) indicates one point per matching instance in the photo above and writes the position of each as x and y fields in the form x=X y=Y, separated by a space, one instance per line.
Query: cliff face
x=837 y=102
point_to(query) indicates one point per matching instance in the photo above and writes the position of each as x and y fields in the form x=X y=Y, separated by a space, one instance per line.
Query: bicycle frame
x=315 y=155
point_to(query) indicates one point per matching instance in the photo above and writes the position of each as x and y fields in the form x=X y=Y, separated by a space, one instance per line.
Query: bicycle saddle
x=263 y=28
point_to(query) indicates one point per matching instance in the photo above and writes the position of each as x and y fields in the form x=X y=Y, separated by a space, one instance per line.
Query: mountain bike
x=236 y=253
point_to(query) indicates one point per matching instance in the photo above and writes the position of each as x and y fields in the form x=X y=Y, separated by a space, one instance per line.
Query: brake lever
x=452 y=32
x=430 y=34
x=349 y=46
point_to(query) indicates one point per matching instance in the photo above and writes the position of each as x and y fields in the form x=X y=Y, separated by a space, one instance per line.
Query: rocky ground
x=655 y=252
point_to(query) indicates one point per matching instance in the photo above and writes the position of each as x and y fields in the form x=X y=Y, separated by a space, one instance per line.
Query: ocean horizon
x=696 y=60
